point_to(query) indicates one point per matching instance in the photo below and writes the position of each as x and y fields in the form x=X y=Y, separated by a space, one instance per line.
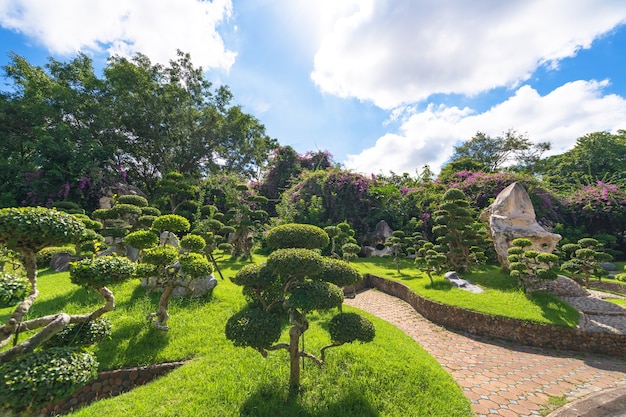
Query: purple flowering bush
x=325 y=197
x=599 y=208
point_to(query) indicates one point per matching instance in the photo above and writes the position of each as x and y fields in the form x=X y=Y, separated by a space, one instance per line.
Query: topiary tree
x=247 y=218
x=168 y=266
x=40 y=377
x=458 y=235
x=28 y=230
x=428 y=260
x=530 y=267
x=586 y=257
x=398 y=243
x=294 y=281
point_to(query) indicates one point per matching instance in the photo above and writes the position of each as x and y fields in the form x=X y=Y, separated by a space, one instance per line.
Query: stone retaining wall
x=526 y=333
x=608 y=286
x=109 y=384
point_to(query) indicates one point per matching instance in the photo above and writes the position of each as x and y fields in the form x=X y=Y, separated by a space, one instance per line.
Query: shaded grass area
x=391 y=376
x=502 y=295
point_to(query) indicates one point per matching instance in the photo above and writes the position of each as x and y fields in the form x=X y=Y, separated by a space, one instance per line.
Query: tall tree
x=598 y=156
x=495 y=153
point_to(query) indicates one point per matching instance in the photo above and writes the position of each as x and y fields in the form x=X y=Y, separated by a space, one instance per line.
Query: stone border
x=109 y=384
x=519 y=331
x=608 y=286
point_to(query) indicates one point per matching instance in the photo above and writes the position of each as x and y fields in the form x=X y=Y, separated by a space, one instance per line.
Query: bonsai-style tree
x=530 y=267
x=168 y=267
x=459 y=236
x=586 y=257
x=428 y=260
x=211 y=229
x=246 y=217
x=27 y=230
x=399 y=244
x=294 y=281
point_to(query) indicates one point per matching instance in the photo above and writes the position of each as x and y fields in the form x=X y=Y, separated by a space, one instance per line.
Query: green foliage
x=315 y=295
x=88 y=222
x=33 y=228
x=37 y=378
x=428 y=260
x=121 y=210
x=45 y=255
x=339 y=272
x=350 y=251
x=195 y=265
x=349 y=327
x=297 y=236
x=193 y=243
x=101 y=271
x=141 y=239
x=253 y=327
x=150 y=211
x=295 y=262
x=133 y=199
x=586 y=258
x=460 y=237
x=161 y=256
x=78 y=335
x=13 y=288
x=171 y=223
x=530 y=267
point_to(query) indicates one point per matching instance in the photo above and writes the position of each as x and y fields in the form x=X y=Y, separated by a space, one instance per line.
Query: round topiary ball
x=255 y=328
x=348 y=327
x=294 y=235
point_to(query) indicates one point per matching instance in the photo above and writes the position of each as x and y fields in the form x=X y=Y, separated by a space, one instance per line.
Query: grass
x=391 y=376
x=501 y=297
x=619 y=301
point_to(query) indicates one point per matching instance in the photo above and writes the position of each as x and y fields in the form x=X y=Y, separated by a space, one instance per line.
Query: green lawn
x=391 y=376
x=502 y=295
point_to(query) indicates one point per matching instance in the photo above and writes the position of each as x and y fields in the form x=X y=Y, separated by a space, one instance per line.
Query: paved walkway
x=499 y=378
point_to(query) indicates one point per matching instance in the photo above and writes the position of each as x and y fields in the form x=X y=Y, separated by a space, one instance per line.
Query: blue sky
x=383 y=85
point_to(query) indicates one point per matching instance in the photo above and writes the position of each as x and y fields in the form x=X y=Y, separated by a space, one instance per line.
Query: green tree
x=598 y=156
x=493 y=154
x=295 y=281
x=586 y=257
x=530 y=267
x=458 y=235
x=398 y=242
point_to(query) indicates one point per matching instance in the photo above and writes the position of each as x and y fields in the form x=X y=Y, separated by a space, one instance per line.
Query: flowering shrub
x=600 y=208
x=326 y=197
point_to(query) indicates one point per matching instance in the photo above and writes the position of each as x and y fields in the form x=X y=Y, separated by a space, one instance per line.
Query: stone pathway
x=599 y=315
x=499 y=378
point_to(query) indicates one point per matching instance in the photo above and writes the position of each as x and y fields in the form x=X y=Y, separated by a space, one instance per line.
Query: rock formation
x=512 y=216
x=374 y=244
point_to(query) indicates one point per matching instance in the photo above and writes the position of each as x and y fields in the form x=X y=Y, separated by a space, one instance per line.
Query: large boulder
x=512 y=216
x=374 y=243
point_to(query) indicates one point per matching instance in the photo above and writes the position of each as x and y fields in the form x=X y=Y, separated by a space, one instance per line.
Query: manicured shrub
x=81 y=334
x=171 y=223
x=37 y=227
x=297 y=236
x=192 y=243
x=161 y=255
x=141 y=239
x=150 y=211
x=12 y=288
x=254 y=328
x=101 y=271
x=195 y=265
x=45 y=255
x=350 y=327
x=43 y=376
x=135 y=200
x=315 y=295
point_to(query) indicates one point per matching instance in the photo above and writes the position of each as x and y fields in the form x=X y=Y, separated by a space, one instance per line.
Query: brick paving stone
x=499 y=378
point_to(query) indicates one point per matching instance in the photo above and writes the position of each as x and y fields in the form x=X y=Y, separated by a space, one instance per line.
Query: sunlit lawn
x=501 y=297
x=391 y=376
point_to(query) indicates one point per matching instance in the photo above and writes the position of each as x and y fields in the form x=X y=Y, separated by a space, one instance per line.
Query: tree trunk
x=56 y=325
x=162 y=314
x=294 y=356
x=13 y=323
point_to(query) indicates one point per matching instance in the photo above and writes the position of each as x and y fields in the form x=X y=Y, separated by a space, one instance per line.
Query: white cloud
x=156 y=28
x=560 y=117
x=403 y=51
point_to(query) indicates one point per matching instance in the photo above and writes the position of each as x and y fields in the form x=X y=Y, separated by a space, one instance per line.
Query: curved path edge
x=499 y=377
